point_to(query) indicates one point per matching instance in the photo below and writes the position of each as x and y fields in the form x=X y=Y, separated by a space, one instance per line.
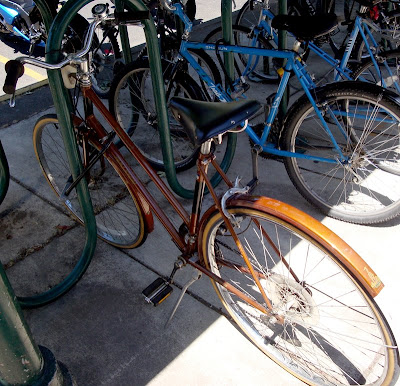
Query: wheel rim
x=366 y=186
x=324 y=335
x=135 y=111
x=117 y=218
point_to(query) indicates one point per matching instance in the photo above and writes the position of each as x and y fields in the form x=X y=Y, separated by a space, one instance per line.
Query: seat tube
x=349 y=48
x=370 y=53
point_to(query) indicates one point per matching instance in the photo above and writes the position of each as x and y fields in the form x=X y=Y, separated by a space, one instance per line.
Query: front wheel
x=119 y=220
x=333 y=332
x=356 y=179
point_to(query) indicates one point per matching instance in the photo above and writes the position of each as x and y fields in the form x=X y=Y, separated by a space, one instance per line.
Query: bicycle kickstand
x=196 y=276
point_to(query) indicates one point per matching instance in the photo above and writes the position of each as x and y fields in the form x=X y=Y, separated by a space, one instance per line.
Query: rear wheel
x=363 y=188
x=333 y=332
x=118 y=218
x=132 y=103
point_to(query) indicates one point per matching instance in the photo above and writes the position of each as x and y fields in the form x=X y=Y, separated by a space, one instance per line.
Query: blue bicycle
x=359 y=57
x=340 y=143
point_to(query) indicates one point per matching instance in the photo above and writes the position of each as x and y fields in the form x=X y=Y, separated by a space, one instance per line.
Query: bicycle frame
x=188 y=242
x=194 y=221
x=293 y=63
x=147 y=202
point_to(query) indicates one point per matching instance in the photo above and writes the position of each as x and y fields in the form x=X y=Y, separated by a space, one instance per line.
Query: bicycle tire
x=170 y=51
x=107 y=61
x=367 y=71
x=248 y=16
x=364 y=189
x=133 y=107
x=324 y=339
x=262 y=68
x=119 y=219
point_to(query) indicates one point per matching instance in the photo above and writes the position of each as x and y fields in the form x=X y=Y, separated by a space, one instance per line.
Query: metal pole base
x=55 y=373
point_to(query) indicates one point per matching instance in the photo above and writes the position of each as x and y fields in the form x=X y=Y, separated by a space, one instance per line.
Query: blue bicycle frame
x=293 y=63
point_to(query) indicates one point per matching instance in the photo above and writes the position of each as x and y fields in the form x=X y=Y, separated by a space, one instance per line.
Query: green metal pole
x=63 y=105
x=227 y=35
x=123 y=34
x=4 y=174
x=20 y=358
x=226 y=20
x=282 y=10
x=22 y=362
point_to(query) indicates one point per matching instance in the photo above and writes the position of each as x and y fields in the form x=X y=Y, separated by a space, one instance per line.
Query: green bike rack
x=4 y=174
x=160 y=101
x=23 y=362
x=63 y=103
x=227 y=31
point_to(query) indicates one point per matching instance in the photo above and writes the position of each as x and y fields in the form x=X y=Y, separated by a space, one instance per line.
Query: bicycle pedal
x=157 y=291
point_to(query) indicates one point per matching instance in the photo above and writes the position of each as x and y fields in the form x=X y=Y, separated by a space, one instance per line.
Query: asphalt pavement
x=103 y=330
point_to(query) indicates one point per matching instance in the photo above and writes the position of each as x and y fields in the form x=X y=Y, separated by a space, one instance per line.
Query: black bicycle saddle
x=204 y=120
x=306 y=28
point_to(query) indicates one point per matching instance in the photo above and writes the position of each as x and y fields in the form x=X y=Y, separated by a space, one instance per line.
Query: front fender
x=360 y=270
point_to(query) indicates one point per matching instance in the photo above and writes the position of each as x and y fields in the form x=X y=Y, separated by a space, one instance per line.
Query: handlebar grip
x=131 y=16
x=14 y=70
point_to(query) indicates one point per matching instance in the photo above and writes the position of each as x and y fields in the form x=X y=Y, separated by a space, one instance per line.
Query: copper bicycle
x=298 y=291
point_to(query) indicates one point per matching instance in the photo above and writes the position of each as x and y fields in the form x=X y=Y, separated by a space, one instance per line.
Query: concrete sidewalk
x=102 y=329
